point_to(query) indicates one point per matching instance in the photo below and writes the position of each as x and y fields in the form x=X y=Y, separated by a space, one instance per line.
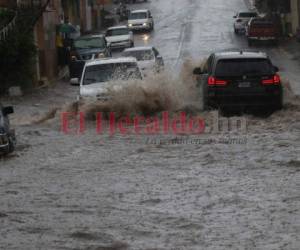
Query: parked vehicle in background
x=241 y=20
x=260 y=29
x=100 y=76
x=148 y=58
x=119 y=37
x=84 y=49
x=240 y=80
x=7 y=135
x=140 y=20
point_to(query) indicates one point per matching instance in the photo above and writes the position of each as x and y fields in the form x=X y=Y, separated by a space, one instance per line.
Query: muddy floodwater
x=216 y=190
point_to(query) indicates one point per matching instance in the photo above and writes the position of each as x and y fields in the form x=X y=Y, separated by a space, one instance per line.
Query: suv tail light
x=275 y=80
x=212 y=81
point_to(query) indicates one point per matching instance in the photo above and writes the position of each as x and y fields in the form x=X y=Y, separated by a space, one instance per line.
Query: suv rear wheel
x=250 y=42
x=204 y=97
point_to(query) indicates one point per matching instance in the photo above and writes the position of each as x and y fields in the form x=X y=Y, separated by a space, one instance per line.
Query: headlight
x=130 y=25
x=100 y=55
x=145 y=24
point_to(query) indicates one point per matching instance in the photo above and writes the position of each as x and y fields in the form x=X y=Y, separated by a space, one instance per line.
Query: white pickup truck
x=101 y=75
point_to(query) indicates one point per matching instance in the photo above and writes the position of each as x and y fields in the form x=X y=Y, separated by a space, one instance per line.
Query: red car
x=260 y=29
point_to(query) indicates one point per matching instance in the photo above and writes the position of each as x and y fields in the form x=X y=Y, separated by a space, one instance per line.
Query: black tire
x=132 y=45
x=152 y=27
x=275 y=42
x=236 y=31
x=250 y=43
x=204 y=97
x=279 y=104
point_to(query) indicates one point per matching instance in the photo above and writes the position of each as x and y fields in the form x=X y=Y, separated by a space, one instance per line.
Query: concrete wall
x=45 y=34
x=295 y=14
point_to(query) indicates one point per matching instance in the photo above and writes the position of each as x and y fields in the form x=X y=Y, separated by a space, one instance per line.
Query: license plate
x=244 y=84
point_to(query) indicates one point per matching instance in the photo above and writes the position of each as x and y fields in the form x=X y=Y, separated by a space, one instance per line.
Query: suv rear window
x=240 y=67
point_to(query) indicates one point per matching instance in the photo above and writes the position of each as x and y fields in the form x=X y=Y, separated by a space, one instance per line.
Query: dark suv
x=86 y=48
x=7 y=136
x=240 y=80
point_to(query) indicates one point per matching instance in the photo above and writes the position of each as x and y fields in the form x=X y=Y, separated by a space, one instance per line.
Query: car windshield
x=111 y=72
x=117 y=32
x=140 y=55
x=138 y=15
x=239 y=67
x=247 y=14
x=89 y=43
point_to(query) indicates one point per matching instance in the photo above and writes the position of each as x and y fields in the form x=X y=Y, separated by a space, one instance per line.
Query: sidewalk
x=289 y=58
x=292 y=46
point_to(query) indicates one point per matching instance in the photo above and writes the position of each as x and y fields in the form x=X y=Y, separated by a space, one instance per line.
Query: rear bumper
x=271 y=97
x=120 y=45
x=140 y=27
x=262 y=38
x=239 y=27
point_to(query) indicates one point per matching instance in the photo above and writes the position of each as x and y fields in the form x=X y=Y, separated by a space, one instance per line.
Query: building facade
x=76 y=12
x=287 y=10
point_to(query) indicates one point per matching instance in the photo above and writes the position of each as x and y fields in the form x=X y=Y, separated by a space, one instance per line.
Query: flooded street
x=217 y=190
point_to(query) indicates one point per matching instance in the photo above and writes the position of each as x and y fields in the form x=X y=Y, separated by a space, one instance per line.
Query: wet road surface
x=144 y=192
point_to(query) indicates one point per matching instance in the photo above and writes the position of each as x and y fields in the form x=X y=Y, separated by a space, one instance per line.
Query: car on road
x=240 y=79
x=119 y=37
x=7 y=135
x=148 y=58
x=84 y=49
x=260 y=29
x=241 y=20
x=100 y=76
x=140 y=20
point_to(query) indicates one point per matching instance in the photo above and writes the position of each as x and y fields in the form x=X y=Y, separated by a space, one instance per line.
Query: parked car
x=84 y=49
x=7 y=135
x=240 y=80
x=241 y=20
x=260 y=29
x=148 y=58
x=119 y=37
x=99 y=76
x=140 y=20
